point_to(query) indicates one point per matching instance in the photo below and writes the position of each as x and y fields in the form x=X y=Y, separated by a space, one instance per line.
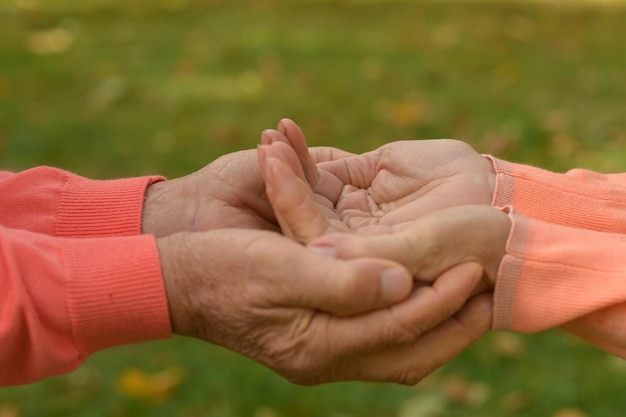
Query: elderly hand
x=314 y=318
x=229 y=192
x=379 y=191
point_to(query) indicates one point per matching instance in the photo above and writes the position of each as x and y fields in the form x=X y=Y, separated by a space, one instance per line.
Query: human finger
x=328 y=153
x=358 y=170
x=340 y=287
x=322 y=182
x=408 y=364
x=404 y=247
x=434 y=242
x=373 y=347
x=296 y=139
x=274 y=145
x=292 y=200
x=404 y=323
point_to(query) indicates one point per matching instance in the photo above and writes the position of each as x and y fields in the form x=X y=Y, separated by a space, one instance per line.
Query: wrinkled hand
x=314 y=318
x=376 y=192
x=229 y=192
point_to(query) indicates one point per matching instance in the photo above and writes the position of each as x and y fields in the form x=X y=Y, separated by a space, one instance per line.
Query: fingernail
x=395 y=285
x=324 y=250
x=281 y=127
x=266 y=138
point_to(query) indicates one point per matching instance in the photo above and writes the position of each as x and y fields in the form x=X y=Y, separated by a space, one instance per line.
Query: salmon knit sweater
x=565 y=261
x=76 y=275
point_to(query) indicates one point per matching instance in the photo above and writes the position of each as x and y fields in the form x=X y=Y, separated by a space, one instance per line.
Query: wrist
x=189 y=282
x=490 y=176
x=501 y=225
x=504 y=235
x=172 y=269
x=165 y=208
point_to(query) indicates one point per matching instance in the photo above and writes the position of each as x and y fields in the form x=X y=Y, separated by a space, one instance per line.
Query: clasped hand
x=424 y=204
x=344 y=306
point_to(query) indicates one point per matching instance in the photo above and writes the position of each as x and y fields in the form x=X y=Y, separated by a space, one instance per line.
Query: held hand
x=314 y=318
x=435 y=242
x=402 y=181
x=419 y=228
x=379 y=191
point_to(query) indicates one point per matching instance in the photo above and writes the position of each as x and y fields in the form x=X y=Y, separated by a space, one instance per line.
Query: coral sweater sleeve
x=579 y=198
x=58 y=203
x=553 y=275
x=565 y=262
x=63 y=298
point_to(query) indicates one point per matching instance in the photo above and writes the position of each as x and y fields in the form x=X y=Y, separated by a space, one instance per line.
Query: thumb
x=292 y=199
x=296 y=139
x=349 y=287
x=433 y=243
x=277 y=145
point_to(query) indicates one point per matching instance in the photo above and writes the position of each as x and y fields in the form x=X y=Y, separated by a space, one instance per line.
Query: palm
x=402 y=181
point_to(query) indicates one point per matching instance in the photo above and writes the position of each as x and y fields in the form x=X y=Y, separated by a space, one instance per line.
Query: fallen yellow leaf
x=137 y=383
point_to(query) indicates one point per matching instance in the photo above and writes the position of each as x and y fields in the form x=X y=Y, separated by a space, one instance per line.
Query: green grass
x=125 y=88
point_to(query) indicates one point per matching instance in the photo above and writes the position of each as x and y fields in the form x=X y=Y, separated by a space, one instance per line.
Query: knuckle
x=413 y=376
x=351 y=247
x=346 y=286
x=402 y=334
x=472 y=333
x=305 y=368
x=357 y=290
x=306 y=374
x=347 y=292
x=451 y=302
x=457 y=145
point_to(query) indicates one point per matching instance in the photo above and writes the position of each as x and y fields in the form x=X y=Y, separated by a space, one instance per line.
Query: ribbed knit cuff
x=116 y=293
x=509 y=271
x=96 y=208
x=552 y=274
x=580 y=198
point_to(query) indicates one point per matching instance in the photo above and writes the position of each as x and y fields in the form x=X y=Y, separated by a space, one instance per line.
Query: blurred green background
x=111 y=88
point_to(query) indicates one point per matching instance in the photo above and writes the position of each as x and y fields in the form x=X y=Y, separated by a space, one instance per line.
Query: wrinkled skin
x=231 y=280
x=228 y=192
x=314 y=318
